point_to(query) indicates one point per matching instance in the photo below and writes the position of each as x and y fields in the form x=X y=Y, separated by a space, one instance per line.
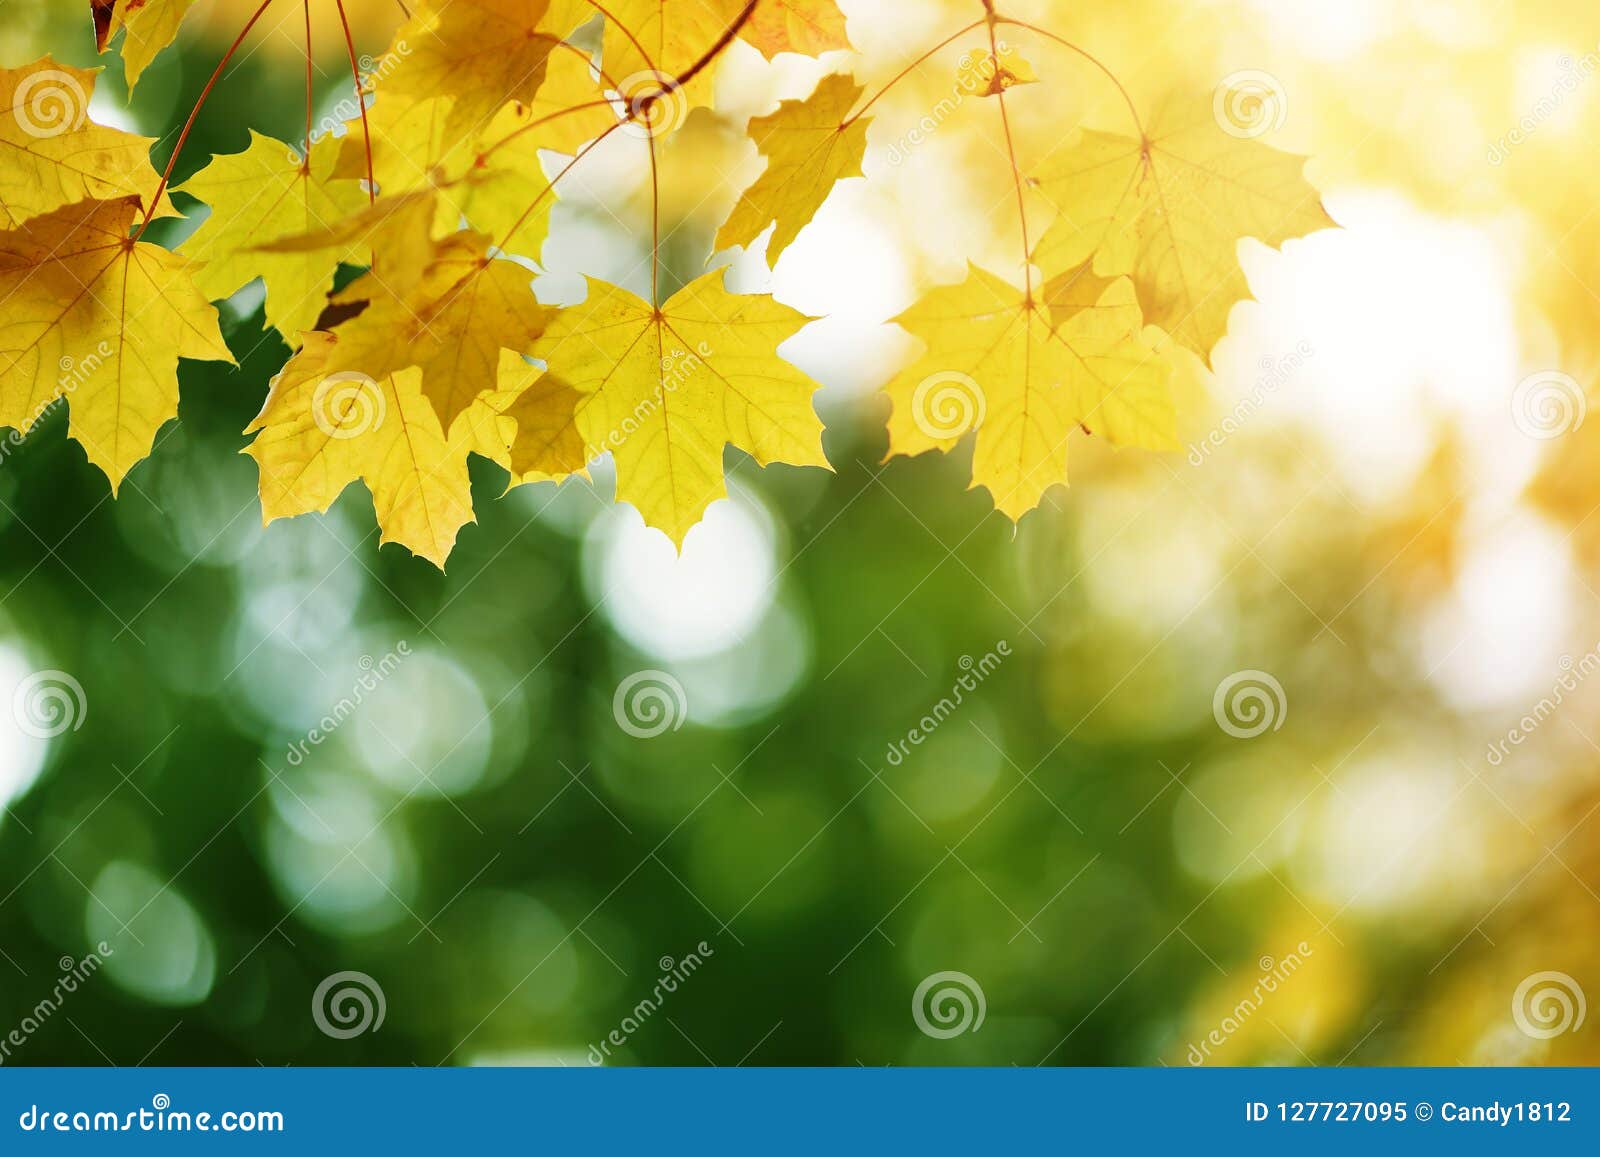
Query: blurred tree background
x=1364 y=515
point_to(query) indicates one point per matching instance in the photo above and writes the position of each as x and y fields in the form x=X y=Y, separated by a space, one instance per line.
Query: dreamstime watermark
x=348 y=404
x=1274 y=973
x=976 y=75
x=1547 y=1004
x=49 y=703
x=348 y=1004
x=1248 y=703
x=676 y=369
x=373 y=72
x=649 y=703
x=974 y=673
x=948 y=404
x=50 y=103
x=1275 y=372
x=947 y=1004
x=1570 y=75
x=1249 y=103
x=673 y=974
x=373 y=673
x=1573 y=673
x=651 y=104
x=73 y=373
x=1548 y=404
x=73 y=974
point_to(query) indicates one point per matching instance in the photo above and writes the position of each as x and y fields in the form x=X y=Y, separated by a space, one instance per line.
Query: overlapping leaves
x=439 y=191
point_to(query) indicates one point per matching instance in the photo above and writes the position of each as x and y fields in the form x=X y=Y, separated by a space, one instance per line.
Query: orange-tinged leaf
x=1170 y=211
x=995 y=363
x=100 y=320
x=52 y=154
x=809 y=27
x=666 y=390
x=264 y=194
x=809 y=148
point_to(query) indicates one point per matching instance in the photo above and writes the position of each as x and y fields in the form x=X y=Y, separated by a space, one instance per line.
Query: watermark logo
x=652 y=104
x=50 y=103
x=1274 y=973
x=948 y=404
x=1249 y=703
x=1548 y=404
x=49 y=703
x=674 y=973
x=649 y=703
x=373 y=673
x=974 y=672
x=1547 y=1004
x=948 y=1004
x=1275 y=373
x=347 y=405
x=348 y=1004
x=1249 y=103
x=73 y=974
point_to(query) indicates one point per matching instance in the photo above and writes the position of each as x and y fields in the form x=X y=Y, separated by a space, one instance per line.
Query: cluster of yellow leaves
x=440 y=187
x=1142 y=254
x=89 y=313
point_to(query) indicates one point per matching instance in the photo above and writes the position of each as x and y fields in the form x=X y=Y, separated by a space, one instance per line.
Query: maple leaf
x=490 y=177
x=809 y=147
x=995 y=363
x=1169 y=210
x=666 y=389
x=52 y=154
x=450 y=319
x=323 y=428
x=808 y=27
x=97 y=318
x=150 y=26
x=480 y=53
x=669 y=38
x=261 y=195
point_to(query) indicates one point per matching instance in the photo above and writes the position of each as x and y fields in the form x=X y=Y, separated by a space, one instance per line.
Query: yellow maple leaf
x=450 y=314
x=995 y=363
x=667 y=39
x=480 y=53
x=101 y=320
x=323 y=428
x=491 y=177
x=1170 y=211
x=667 y=389
x=809 y=148
x=151 y=25
x=52 y=154
x=264 y=194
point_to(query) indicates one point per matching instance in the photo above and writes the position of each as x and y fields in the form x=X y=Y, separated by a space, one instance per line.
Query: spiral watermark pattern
x=50 y=103
x=1249 y=103
x=348 y=1004
x=347 y=405
x=653 y=104
x=948 y=1004
x=1249 y=703
x=948 y=404
x=1547 y=1004
x=649 y=703
x=1548 y=404
x=48 y=704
